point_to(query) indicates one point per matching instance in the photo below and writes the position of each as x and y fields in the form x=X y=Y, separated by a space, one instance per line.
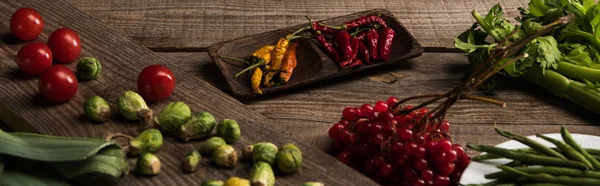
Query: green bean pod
x=531 y=143
x=566 y=135
x=528 y=158
x=555 y=171
x=547 y=178
x=567 y=150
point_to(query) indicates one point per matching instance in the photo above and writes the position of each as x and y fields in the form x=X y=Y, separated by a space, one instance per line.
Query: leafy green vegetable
x=35 y=157
x=16 y=178
x=548 y=53
x=558 y=61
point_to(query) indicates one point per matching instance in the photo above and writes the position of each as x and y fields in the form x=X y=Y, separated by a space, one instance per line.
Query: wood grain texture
x=22 y=107
x=314 y=64
x=171 y=25
x=310 y=111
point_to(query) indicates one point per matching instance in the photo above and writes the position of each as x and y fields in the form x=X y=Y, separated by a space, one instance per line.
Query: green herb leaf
x=577 y=54
x=593 y=19
x=589 y=84
x=530 y=26
x=548 y=53
x=538 y=7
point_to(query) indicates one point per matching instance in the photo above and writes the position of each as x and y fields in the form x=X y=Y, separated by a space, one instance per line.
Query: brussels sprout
x=200 y=125
x=289 y=158
x=89 y=68
x=148 y=141
x=261 y=174
x=313 y=184
x=208 y=146
x=236 y=181
x=264 y=151
x=148 y=164
x=97 y=109
x=173 y=116
x=191 y=161
x=213 y=183
x=133 y=107
x=229 y=130
x=247 y=152
x=225 y=155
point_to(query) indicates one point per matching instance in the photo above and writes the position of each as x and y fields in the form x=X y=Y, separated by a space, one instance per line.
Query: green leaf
x=590 y=85
x=16 y=178
x=50 y=148
x=587 y=4
x=1 y=167
x=548 y=53
x=538 y=7
x=111 y=161
x=593 y=19
x=520 y=67
x=578 y=54
x=468 y=47
x=530 y=26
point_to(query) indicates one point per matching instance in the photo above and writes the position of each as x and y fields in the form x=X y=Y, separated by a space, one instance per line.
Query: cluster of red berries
x=398 y=149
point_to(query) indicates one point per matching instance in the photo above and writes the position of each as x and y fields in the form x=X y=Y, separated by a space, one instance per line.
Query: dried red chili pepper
x=364 y=21
x=355 y=63
x=385 y=43
x=329 y=49
x=342 y=40
x=373 y=44
x=324 y=29
x=361 y=35
x=354 y=46
x=363 y=53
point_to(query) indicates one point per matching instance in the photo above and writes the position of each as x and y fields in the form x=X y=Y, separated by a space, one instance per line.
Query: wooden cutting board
x=23 y=109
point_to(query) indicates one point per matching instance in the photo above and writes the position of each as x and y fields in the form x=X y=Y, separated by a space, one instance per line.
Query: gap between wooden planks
x=122 y=60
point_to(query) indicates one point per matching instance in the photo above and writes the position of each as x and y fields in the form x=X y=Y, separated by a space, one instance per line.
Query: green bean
x=515 y=164
x=547 y=178
x=484 y=157
x=566 y=135
x=531 y=143
x=593 y=151
x=567 y=150
x=555 y=171
x=528 y=158
x=543 y=184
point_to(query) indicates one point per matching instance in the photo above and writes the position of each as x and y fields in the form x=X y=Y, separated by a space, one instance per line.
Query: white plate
x=474 y=173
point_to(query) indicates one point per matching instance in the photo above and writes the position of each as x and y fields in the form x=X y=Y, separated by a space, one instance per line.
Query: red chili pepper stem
x=297 y=31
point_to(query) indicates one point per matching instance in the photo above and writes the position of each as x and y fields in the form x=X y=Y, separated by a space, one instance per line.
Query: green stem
x=298 y=31
x=551 y=80
x=527 y=158
x=235 y=59
x=586 y=97
x=578 y=72
x=260 y=62
x=488 y=28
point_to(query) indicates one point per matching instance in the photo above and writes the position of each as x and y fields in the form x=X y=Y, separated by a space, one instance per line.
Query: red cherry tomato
x=156 y=82
x=57 y=84
x=65 y=45
x=34 y=58
x=26 y=24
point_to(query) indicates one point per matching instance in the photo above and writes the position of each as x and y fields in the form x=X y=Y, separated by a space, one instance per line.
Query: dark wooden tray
x=313 y=64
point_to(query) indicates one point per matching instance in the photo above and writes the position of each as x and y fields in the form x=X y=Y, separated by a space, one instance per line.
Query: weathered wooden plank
x=170 y=25
x=310 y=111
x=122 y=60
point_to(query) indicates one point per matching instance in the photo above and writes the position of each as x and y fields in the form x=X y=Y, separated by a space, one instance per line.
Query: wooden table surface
x=179 y=32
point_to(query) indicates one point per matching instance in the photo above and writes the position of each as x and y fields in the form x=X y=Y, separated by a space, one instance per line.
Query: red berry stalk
x=399 y=144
